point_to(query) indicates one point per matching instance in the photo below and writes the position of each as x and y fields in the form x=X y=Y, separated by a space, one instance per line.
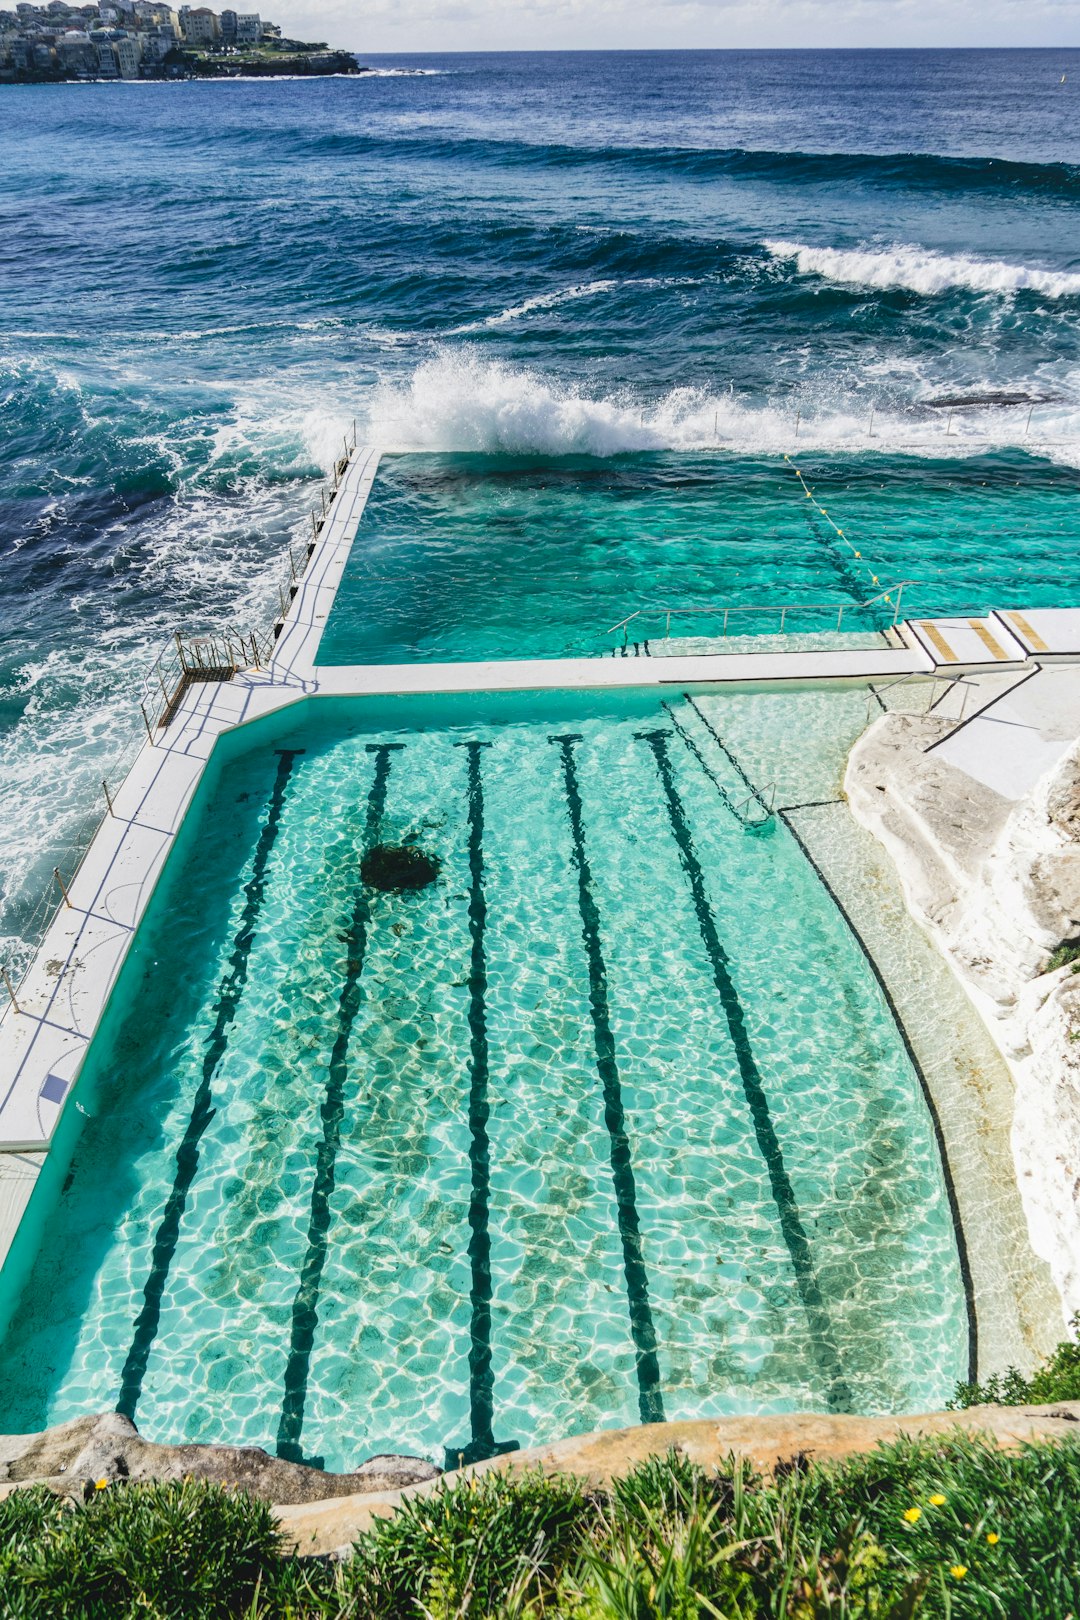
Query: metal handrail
x=781 y=608
x=959 y=679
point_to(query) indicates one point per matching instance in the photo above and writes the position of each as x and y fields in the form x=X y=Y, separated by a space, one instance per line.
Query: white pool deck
x=61 y=1000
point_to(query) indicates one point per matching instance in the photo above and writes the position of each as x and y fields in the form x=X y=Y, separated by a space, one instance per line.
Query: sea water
x=530 y=257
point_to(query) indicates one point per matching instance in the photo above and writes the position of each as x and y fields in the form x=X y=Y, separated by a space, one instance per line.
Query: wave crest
x=921 y=270
x=459 y=401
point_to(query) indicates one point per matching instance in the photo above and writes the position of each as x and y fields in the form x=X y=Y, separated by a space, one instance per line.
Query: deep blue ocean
x=617 y=272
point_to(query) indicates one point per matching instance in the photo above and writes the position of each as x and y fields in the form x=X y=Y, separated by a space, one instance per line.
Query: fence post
x=146 y=723
x=63 y=888
x=108 y=796
x=8 y=987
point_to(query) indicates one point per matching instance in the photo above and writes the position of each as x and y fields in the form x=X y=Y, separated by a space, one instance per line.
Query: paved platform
x=1014 y=740
x=1044 y=632
x=965 y=643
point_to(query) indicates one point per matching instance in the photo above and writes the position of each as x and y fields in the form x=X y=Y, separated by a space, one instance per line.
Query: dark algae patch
x=397 y=868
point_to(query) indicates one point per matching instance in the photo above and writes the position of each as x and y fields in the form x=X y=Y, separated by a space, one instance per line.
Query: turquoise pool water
x=611 y=1120
x=469 y=557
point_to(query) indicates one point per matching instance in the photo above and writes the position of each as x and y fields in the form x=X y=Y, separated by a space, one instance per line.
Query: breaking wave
x=458 y=401
x=533 y=306
x=923 y=271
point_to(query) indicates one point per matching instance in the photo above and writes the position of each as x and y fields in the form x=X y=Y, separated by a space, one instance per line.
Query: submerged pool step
x=750 y=808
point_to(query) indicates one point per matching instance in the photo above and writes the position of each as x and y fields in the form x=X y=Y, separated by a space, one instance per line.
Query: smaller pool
x=485 y=1072
x=464 y=557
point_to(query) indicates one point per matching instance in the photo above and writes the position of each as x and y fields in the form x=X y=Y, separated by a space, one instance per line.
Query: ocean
x=635 y=279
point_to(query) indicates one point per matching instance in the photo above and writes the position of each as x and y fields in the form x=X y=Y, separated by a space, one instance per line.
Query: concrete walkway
x=1020 y=736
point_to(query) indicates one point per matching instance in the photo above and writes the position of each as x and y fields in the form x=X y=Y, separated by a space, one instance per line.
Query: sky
x=477 y=25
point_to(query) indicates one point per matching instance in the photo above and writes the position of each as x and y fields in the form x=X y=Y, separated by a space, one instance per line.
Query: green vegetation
x=948 y=1527
x=1058 y=1379
x=1068 y=951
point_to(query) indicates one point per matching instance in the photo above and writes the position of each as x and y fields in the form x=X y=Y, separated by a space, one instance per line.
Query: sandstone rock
x=997 y=884
x=330 y=1527
x=72 y=1455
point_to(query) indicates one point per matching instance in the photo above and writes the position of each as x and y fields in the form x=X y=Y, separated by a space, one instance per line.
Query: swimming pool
x=609 y=1121
x=477 y=557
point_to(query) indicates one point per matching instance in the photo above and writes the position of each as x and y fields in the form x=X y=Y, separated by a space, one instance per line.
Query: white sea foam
x=924 y=271
x=460 y=401
x=530 y=306
x=402 y=73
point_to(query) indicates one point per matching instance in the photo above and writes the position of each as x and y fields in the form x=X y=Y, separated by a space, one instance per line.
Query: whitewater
x=625 y=278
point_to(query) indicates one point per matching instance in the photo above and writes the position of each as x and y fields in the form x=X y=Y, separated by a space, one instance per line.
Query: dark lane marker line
x=642 y=1329
x=481 y=1382
x=727 y=800
x=725 y=750
x=839 y=1397
x=202 y=1112
x=305 y=1311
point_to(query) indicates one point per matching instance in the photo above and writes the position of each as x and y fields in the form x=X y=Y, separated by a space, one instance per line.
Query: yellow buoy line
x=835 y=527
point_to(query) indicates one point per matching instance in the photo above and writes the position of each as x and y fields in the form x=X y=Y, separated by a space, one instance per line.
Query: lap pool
x=486 y=1070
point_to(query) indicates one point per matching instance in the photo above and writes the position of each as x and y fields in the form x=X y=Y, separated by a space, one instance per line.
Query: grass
x=944 y=1527
x=1058 y=1379
x=1068 y=951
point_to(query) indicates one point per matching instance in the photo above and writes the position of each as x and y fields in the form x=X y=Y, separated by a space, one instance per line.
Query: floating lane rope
x=837 y=530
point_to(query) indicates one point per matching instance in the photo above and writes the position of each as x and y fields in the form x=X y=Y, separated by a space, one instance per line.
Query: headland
x=140 y=39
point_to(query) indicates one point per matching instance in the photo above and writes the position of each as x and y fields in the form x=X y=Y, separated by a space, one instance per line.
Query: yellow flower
x=958 y=1571
x=938 y=1500
x=913 y=1515
x=100 y=1484
x=992 y=1537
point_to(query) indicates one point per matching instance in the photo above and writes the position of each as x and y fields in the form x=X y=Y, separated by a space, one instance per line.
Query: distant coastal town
x=142 y=39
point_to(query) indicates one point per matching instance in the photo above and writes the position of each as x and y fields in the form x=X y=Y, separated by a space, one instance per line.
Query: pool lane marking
x=482 y=1443
x=203 y=1111
x=785 y=814
x=731 y=758
x=305 y=1310
x=725 y=796
x=791 y=1224
x=642 y=1328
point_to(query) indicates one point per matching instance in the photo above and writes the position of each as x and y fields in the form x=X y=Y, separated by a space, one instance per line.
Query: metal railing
x=933 y=699
x=217 y=655
x=779 y=611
